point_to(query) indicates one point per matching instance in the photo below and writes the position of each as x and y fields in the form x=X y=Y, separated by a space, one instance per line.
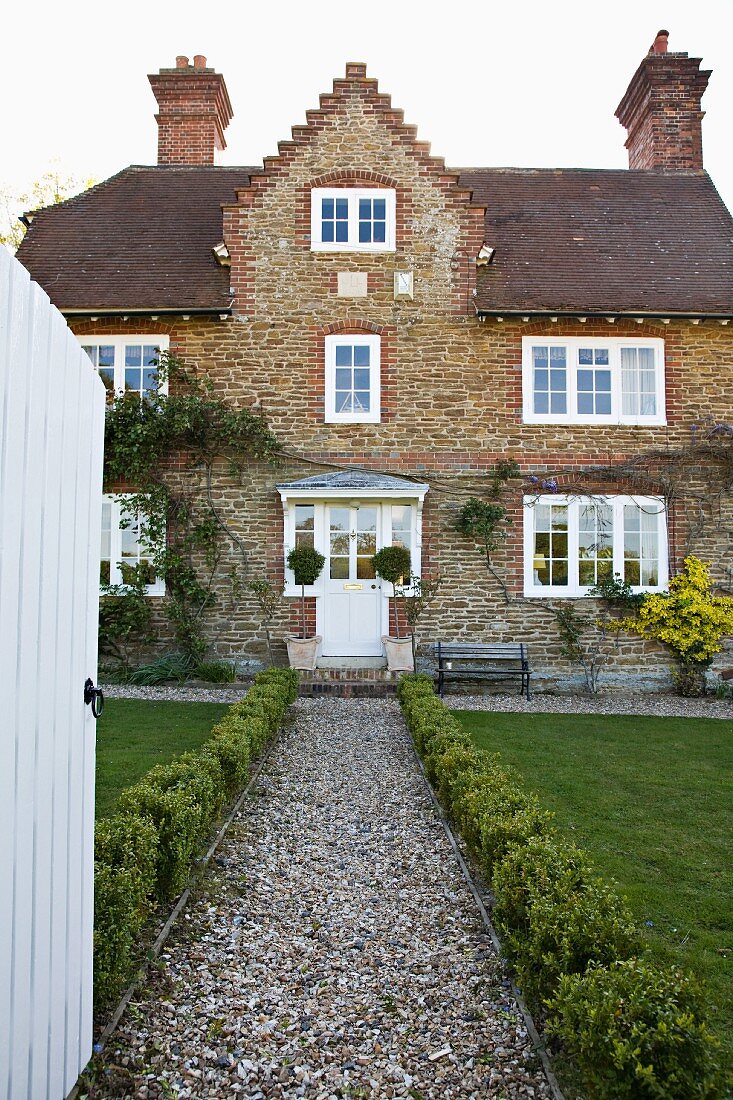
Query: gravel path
x=335 y=951
x=613 y=702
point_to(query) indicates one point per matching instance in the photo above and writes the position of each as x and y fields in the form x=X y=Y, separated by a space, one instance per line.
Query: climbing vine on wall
x=164 y=447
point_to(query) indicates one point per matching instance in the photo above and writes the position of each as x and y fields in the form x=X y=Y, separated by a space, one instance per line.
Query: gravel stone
x=659 y=704
x=654 y=704
x=334 y=949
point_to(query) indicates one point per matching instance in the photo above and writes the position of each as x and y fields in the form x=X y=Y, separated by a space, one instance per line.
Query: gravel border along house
x=335 y=950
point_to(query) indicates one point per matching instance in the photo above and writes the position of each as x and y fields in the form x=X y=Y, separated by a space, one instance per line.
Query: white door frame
x=293 y=495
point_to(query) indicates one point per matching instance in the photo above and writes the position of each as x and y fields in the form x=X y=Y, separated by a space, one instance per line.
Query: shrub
x=216 y=672
x=231 y=744
x=124 y=881
x=286 y=678
x=636 y=1032
x=146 y=849
x=555 y=915
x=173 y=666
x=181 y=799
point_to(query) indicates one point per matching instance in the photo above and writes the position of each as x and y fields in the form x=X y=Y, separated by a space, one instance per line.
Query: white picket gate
x=51 y=437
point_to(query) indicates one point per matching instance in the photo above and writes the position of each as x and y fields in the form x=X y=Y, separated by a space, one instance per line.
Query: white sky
x=527 y=83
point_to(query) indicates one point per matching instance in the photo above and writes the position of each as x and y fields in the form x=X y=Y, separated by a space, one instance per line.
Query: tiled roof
x=566 y=240
x=608 y=241
x=140 y=240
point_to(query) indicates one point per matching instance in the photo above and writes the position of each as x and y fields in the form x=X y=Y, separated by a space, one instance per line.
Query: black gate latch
x=95 y=696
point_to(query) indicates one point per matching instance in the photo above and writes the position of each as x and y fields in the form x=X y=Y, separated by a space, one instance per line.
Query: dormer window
x=352 y=219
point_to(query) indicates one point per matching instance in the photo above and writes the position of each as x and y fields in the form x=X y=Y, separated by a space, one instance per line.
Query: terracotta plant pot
x=399 y=654
x=303 y=652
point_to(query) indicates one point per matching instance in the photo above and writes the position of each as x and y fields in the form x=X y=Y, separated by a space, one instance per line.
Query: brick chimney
x=194 y=112
x=661 y=110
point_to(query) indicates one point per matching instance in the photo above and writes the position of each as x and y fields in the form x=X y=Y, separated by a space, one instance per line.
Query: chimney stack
x=194 y=111
x=661 y=110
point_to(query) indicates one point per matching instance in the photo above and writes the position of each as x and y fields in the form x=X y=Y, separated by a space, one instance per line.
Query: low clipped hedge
x=634 y=1028
x=143 y=853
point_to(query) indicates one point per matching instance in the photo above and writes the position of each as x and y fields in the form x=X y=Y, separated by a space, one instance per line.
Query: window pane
x=343 y=402
x=342 y=232
x=361 y=355
x=133 y=355
x=304 y=517
x=327 y=208
x=342 y=209
x=361 y=401
x=132 y=379
x=339 y=543
x=366 y=543
x=641 y=544
x=365 y=569
x=549 y=562
x=343 y=378
x=327 y=232
x=361 y=379
x=339 y=569
x=344 y=353
x=107 y=375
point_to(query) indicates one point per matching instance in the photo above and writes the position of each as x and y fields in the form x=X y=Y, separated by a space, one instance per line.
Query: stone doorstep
x=373 y=682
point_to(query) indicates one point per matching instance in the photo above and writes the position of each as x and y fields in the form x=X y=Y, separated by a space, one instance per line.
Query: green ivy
x=186 y=535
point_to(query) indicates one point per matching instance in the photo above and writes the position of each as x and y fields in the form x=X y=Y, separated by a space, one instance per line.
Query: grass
x=650 y=799
x=133 y=735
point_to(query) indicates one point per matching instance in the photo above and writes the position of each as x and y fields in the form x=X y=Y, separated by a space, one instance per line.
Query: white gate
x=51 y=436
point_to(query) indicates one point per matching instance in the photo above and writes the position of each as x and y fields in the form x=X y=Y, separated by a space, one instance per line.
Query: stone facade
x=451 y=384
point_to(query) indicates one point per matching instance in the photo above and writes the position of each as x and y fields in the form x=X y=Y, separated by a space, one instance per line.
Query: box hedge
x=143 y=853
x=634 y=1029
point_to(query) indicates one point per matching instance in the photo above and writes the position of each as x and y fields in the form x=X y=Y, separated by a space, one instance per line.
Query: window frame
x=353 y=195
x=162 y=342
x=319 y=502
x=333 y=341
x=116 y=502
x=573 y=589
x=573 y=344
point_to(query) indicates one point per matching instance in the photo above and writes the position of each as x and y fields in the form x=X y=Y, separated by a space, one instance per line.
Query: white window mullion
x=115 y=544
x=572 y=398
x=573 y=540
x=618 y=535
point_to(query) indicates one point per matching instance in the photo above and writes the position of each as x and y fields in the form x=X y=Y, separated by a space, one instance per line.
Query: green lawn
x=133 y=735
x=651 y=799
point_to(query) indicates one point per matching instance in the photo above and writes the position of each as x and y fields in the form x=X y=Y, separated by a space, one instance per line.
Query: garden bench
x=482 y=660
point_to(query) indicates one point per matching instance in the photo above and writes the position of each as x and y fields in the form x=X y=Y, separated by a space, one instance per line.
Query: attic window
x=352 y=219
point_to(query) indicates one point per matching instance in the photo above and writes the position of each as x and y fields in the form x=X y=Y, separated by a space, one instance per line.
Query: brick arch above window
x=352 y=325
x=353 y=177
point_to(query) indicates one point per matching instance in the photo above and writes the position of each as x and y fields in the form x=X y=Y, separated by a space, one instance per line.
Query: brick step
x=372 y=683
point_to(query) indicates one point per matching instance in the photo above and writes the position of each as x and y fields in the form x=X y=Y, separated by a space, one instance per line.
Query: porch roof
x=350 y=482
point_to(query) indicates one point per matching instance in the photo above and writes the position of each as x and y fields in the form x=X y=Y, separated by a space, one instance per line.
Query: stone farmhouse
x=404 y=327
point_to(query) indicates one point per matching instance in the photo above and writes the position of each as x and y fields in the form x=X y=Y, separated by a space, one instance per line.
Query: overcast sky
x=525 y=84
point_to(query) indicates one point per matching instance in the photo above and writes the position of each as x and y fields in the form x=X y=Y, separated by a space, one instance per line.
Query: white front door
x=353 y=603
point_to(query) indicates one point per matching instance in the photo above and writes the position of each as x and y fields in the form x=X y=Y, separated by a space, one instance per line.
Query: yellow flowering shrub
x=688 y=618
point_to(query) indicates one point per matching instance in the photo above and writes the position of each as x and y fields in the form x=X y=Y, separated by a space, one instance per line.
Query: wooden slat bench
x=482 y=660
